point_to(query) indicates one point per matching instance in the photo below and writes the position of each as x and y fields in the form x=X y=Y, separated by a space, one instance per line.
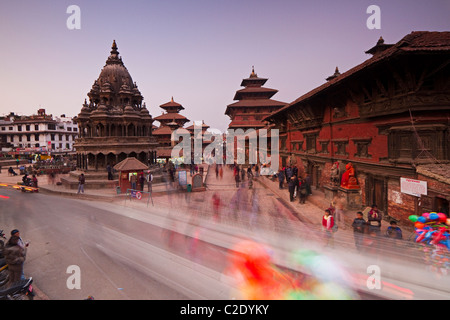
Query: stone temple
x=115 y=123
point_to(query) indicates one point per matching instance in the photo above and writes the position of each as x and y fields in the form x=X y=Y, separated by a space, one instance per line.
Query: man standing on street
x=81 y=181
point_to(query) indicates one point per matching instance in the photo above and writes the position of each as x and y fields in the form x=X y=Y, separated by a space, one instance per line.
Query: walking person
x=81 y=181
x=280 y=178
x=292 y=183
x=308 y=184
x=133 y=180
x=34 y=181
x=237 y=180
x=302 y=191
x=359 y=227
x=327 y=228
x=254 y=210
x=216 y=207
x=15 y=258
x=109 y=170
x=141 y=181
x=288 y=173
x=339 y=204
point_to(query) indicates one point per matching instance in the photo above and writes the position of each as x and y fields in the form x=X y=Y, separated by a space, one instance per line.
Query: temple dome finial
x=114 y=48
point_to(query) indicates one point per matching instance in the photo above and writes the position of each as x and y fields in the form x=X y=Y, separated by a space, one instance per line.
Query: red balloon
x=442 y=217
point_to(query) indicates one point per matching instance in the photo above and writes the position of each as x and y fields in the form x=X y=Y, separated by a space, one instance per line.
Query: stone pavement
x=274 y=206
x=274 y=218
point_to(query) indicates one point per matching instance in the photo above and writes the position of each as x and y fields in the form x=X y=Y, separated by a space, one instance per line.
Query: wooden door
x=378 y=196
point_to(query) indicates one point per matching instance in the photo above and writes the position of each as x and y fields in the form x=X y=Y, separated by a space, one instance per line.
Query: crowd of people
x=297 y=185
x=241 y=174
x=365 y=232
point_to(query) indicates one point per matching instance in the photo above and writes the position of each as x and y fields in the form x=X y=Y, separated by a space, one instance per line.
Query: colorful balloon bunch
x=432 y=228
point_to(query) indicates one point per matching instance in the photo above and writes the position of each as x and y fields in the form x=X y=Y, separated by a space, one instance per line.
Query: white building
x=38 y=133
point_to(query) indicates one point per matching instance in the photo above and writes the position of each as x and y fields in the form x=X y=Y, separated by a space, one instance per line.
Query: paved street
x=177 y=248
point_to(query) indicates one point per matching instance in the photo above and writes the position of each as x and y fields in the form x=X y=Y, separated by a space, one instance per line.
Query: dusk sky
x=197 y=51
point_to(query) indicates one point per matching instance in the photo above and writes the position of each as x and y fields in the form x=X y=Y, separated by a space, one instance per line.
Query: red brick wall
x=400 y=205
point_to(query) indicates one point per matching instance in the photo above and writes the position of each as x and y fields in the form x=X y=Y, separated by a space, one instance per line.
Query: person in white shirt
x=149 y=181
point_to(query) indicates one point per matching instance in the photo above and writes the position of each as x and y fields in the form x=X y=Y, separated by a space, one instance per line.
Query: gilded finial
x=114 y=48
x=253 y=74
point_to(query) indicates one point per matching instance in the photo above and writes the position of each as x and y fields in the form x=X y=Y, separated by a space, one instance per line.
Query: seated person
x=11 y=171
x=394 y=232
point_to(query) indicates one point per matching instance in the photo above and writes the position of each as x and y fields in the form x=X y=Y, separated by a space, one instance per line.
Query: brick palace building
x=388 y=116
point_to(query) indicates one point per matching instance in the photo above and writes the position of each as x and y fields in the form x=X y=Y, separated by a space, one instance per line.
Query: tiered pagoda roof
x=170 y=119
x=254 y=102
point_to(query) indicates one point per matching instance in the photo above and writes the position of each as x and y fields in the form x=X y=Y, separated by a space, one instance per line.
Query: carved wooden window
x=283 y=143
x=362 y=147
x=426 y=143
x=341 y=147
x=311 y=143
x=339 y=112
x=324 y=146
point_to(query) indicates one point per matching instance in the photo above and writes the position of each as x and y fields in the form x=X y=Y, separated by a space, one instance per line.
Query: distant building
x=39 y=133
x=169 y=120
x=388 y=116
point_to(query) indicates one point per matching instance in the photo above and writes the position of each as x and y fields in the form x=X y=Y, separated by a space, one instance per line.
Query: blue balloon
x=433 y=216
x=422 y=219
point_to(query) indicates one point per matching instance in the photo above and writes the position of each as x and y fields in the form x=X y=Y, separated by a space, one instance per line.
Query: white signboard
x=413 y=187
x=182 y=177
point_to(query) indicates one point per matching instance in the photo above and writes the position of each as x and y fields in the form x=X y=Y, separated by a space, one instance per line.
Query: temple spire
x=253 y=74
x=114 y=47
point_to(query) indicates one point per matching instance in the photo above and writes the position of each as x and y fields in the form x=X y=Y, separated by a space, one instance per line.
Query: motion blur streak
x=289 y=253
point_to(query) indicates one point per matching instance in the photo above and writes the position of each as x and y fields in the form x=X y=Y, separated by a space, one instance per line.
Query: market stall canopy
x=130 y=164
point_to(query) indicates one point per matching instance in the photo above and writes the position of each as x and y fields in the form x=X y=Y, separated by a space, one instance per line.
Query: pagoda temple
x=169 y=121
x=115 y=124
x=254 y=103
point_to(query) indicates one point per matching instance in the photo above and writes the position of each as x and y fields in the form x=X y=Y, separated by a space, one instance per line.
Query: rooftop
x=417 y=41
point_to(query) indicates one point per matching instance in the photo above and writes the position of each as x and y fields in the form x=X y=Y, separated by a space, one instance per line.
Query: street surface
x=179 y=248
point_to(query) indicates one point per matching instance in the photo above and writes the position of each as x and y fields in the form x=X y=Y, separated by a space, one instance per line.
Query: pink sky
x=196 y=51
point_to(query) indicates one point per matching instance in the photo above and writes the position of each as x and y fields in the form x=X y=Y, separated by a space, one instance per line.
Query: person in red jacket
x=327 y=227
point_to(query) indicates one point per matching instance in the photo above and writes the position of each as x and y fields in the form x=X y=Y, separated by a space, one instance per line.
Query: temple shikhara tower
x=115 y=123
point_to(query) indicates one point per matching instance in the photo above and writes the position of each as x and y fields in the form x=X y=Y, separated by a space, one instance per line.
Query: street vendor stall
x=127 y=168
